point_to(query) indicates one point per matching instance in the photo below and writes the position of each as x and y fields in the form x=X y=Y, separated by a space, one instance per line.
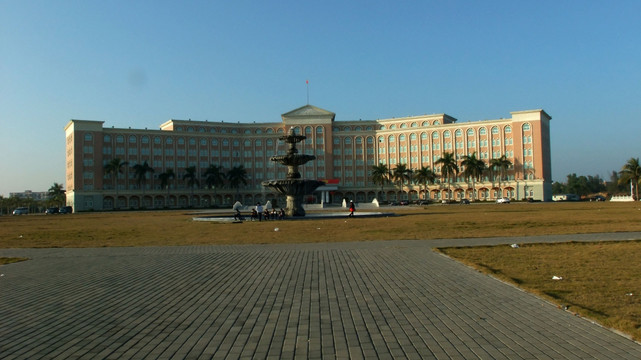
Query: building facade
x=345 y=153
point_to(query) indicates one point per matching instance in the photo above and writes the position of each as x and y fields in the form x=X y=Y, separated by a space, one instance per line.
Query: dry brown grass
x=600 y=280
x=168 y=228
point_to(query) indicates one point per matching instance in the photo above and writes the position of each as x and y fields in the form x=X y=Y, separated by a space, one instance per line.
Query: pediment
x=308 y=111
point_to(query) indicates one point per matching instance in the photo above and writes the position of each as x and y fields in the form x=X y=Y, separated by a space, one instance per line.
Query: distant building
x=28 y=194
x=345 y=153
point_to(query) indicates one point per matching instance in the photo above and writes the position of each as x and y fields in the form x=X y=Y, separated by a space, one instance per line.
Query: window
x=132 y=139
x=526 y=127
x=508 y=129
x=88 y=137
x=495 y=130
x=483 y=131
x=181 y=141
x=107 y=138
x=169 y=141
x=458 y=132
x=435 y=135
x=120 y=139
x=446 y=134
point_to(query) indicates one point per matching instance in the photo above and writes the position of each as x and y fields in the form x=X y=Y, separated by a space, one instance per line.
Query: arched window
x=132 y=139
x=458 y=133
x=348 y=140
x=424 y=136
x=434 y=135
x=391 y=138
x=403 y=126
x=402 y=137
x=413 y=137
x=526 y=127
x=483 y=131
x=107 y=138
x=169 y=141
x=508 y=129
x=414 y=124
x=88 y=137
x=214 y=141
x=425 y=123
x=446 y=134
x=382 y=127
x=495 y=130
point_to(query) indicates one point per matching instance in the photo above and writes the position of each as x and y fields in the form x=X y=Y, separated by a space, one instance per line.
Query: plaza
x=378 y=299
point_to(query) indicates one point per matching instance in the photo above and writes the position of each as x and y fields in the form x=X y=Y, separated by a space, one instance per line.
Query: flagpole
x=307 y=83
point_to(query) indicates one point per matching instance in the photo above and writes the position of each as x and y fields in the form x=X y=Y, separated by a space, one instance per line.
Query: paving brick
x=395 y=299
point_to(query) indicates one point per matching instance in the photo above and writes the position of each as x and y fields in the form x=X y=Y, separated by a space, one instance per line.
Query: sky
x=140 y=63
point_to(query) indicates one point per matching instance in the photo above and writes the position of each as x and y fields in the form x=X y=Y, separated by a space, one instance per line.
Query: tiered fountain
x=293 y=186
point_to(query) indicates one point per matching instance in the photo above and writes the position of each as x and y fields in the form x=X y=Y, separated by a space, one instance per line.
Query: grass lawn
x=597 y=277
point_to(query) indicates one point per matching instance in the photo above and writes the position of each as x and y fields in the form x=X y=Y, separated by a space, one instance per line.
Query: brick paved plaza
x=394 y=299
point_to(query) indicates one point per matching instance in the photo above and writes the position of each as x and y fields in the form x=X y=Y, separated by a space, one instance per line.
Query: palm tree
x=501 y=165
x=237 y=176
x=114 y=167
x=449 y=170
x=140 y=172
x=380 y=175
x=57 y=194
x=425 y=176
x=165 y=177
x=631 y=172
x=191 y=179
x=401 y=174
x=474 y=169
x=214 y=177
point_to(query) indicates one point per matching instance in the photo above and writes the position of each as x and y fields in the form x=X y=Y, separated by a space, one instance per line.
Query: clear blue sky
x=140 y=63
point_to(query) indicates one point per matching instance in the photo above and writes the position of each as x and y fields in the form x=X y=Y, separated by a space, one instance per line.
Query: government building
x=345 y=153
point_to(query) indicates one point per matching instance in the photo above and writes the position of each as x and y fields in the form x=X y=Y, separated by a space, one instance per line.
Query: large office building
x=345 y=153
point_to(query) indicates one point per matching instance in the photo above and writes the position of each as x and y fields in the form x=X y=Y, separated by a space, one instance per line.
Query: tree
x=165 y=177
x=140 y=172
x=500 y=165
x=424 y=176
x=474 y=169
x=380 y=175
x=449 y=170
x=191 y=179
x=237 y=176
x=631 y=172
x=56 y=194
x=214 y=177
x=114 y=167
x=401 y=174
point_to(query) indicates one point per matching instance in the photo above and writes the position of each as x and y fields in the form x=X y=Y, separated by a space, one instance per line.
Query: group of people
x=266 y=214
x=258 y=213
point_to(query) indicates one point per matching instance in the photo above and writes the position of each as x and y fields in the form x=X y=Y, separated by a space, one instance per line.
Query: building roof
x=308 y=110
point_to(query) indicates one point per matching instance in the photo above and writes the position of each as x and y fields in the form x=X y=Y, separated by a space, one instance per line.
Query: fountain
x=293 y=186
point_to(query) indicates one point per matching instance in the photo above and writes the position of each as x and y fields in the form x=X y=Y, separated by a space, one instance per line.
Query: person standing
x=259 y=210
x=352 y=208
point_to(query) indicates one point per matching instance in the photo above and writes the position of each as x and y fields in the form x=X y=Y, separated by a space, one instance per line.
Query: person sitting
x=254 y=215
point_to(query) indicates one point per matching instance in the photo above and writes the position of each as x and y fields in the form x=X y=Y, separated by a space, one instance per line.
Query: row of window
x=145 y=139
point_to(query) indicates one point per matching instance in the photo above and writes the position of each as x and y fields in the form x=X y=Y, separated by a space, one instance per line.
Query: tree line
x=214 y=176
x=471 y=168
x=620 y=182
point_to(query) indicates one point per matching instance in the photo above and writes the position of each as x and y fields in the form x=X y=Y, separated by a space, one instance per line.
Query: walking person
x=352 y=208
